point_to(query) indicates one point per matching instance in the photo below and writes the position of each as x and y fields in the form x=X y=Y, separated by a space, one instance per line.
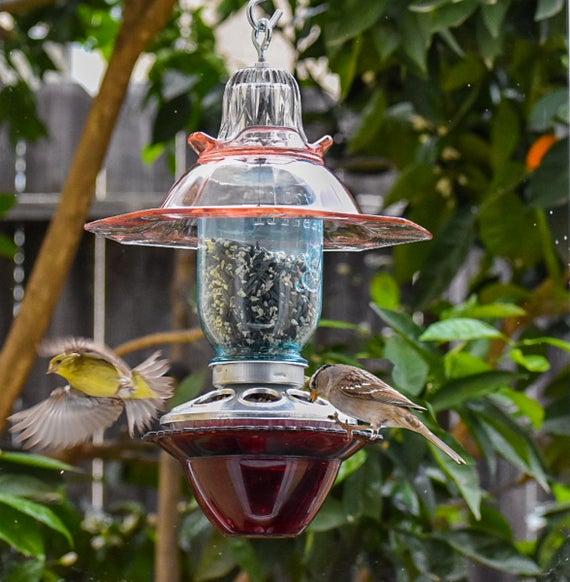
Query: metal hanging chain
x=262 y=28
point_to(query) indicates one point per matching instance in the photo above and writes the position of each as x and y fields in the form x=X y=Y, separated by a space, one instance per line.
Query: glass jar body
x=259 y=286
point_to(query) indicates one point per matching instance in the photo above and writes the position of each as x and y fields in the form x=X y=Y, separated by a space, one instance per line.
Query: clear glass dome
x=260 y=166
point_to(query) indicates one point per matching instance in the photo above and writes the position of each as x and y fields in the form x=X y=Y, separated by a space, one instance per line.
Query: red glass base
x=260 y=481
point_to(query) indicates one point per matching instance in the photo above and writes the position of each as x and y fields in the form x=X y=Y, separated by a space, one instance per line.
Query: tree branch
x=20 y=6
x=142 y=20
x=185 y=336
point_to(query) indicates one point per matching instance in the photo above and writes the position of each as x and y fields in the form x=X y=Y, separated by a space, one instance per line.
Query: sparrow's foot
x=347 y=427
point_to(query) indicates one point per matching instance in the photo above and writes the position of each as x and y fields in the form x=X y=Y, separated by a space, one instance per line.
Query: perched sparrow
x=362 y=395
x=100 y=386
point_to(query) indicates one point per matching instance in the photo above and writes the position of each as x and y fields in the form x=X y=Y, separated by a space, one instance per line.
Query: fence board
x=125 y=169
x=63 y=108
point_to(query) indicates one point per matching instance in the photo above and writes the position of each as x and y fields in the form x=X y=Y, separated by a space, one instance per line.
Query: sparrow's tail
x=445 y=448
x=413 y=423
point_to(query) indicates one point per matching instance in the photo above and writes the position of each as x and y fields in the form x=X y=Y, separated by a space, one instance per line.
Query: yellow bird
x=100 y=386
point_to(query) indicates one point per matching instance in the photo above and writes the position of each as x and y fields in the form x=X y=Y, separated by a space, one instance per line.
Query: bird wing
x=83 y=345
x=152 y=371
x=66 y=418
x=358 y=383
x=141 y=412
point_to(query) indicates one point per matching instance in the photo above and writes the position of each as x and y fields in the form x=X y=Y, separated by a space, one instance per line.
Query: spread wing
x=141 y=412
x=153 y=370
x=66 y=418
x=82 y=345
x=358 y=383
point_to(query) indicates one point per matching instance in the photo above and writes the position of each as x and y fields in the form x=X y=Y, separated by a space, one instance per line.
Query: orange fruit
x=538 y=150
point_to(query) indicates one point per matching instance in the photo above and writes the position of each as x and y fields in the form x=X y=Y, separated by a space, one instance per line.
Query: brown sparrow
x=360 y=394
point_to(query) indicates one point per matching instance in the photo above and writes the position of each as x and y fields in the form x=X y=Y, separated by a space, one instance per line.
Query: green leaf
x=400 y=322
x=460 y=390
x=501 y=222
x=427 y=5
x=459 y=364
x=487 y=311
x=466 y=477
x=505 y=132
x=548 y=8
x=385 y=291
x=459 y=329
x=451 y=42
x=447 y=252
x=38 y=512
x=330 y=516
x=189 y=388
x=336 y=324
x=548 y=184
x=416 y=38
x=370 y=122
x=490 y=47
x=151 y=152
x=493 y=521
x=494 y=16
x=26 y=485
x=28 y=571
x=410 y=371
x=532 y=362
x=18 y=108
x=217 y=560
x=453 y=14
x=38 y=461
x=549 y=110
x=528 y=406
x=489 y=550
x=7 y=247
x=415 y=179
x=386 y=40
x=468 y=71
x=246 y=557
x=405 y=326
x=350 y=465
x=511 y=440
x=7 y=201
x=344 y=64
x=21 y=532
x=351 y=18
x=557 y=343
x=362 y=492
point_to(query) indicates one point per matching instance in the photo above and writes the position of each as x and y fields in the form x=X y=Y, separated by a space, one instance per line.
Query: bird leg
x=347 y=427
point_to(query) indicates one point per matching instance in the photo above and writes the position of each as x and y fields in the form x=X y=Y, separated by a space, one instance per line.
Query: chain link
x=262 y=28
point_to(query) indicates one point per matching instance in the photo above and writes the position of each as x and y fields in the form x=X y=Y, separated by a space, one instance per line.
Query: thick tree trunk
x=142 y=20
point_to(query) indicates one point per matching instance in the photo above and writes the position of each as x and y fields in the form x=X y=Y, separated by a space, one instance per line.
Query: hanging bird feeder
x=260 y=207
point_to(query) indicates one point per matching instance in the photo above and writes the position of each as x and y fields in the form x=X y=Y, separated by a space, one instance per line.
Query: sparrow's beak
x=314 y=395
x=51 y=369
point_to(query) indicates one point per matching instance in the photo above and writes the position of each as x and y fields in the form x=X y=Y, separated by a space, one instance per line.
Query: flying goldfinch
x=363 y=396
x=100 y=386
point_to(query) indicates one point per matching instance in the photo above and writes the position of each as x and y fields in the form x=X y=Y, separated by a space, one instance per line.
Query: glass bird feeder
x=260 y=207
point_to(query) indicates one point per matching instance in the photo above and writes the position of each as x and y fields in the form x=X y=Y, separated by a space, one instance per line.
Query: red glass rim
x=177 y=227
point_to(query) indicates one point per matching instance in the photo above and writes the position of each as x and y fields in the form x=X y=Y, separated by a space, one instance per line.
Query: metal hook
x=261 y=28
